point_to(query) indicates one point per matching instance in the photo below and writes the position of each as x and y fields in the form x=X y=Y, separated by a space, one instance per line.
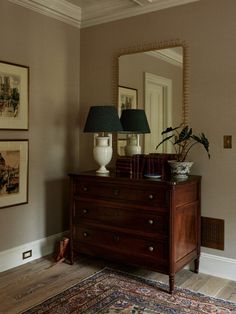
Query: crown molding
x=61 y=10
x=90 y=19
x=69 y=13
x=168 y=55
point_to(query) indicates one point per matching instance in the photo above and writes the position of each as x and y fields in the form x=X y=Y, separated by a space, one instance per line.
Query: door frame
x=166 y=84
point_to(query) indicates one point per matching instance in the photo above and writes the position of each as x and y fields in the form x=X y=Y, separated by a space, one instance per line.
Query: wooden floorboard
x=30 y=284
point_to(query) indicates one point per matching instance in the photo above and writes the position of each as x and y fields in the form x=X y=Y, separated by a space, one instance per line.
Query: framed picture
x=13 y=172
x=14 y=96
x=127 y=98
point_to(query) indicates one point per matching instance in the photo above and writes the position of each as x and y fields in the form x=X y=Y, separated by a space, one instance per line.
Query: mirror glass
x=153 y=81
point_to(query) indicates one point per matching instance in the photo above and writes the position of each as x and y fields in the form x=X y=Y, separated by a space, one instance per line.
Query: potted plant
x=183 y=139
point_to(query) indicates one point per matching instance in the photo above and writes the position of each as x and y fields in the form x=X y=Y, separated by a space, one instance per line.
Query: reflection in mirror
x=158 y=77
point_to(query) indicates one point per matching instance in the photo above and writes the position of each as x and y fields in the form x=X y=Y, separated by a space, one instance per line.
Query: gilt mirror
x=154 y=79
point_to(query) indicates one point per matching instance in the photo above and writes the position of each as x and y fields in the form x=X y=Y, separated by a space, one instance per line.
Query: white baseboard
x=13 y=257
x=209 y=264
x=218 y=266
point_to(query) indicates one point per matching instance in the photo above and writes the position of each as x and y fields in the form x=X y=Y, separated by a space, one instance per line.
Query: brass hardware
x=227 y=141
x=85 y=189
x=151 y=248
x=116 y=238
x=85 y=211
x=85 y=234
x=151 y=196
x=150 y=221
x=116 y=192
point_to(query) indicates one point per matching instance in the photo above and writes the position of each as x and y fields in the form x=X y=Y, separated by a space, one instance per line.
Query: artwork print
x=9 y=172
x=9 y=94
x=13 y=172
x=127 y=98
x=13 y=96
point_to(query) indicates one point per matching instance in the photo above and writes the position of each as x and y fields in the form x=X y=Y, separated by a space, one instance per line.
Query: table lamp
x=102 y=119
x=134 y=122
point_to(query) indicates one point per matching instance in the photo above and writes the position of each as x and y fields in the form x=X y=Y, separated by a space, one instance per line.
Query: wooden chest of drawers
x=148 y=223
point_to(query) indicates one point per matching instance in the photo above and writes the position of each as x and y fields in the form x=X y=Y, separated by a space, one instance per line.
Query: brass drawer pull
x=85 y=211
x=85 y=189
x=150 y=221
x=85 y=234
x=116 y=192
x=151 y=196
x=151 y=248
x=116 y=238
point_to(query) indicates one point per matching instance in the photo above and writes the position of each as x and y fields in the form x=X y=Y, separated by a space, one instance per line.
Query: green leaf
x=202 y=140
x=170 y=129
x=165 y=139
x=184 y=135
x=184 y=140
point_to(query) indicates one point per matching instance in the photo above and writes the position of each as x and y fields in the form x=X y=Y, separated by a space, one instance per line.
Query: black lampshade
x=102 y=119
x=134 y=121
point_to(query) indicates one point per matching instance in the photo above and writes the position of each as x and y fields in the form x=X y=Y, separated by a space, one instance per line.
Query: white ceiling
x=84 y=13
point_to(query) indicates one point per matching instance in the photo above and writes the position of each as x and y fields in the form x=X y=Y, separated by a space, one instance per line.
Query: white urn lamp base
x=133 y=147
x=102 y=152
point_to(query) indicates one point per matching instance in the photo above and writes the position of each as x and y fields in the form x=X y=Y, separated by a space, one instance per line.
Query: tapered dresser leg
x=171 y=283
x=196 y=265
x=71 y=251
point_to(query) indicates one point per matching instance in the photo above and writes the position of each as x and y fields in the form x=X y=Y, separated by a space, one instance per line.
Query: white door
x=158 y=104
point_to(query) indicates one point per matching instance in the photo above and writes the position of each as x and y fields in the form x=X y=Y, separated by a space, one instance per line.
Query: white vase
x=132 y=147
x=102 y=151
x=180 y=169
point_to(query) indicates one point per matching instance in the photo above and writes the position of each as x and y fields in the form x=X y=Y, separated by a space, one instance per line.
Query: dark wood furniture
x=153 y=224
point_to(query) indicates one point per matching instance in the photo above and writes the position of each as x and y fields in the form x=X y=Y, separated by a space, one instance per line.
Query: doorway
x=158 y=108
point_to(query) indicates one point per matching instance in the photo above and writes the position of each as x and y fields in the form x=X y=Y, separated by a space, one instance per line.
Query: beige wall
x=51 y=49
x=209 y=29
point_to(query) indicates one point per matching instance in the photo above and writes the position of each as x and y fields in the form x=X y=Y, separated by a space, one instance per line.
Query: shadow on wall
x=57 y=206
x=72 y=142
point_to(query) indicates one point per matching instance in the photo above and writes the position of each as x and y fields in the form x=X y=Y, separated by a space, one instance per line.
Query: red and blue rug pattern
x=110 y=291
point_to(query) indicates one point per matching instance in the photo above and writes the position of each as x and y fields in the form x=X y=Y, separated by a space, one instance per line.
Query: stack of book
x=138 y=165
x=124 y=165
x=158 y=164
x=131 y=165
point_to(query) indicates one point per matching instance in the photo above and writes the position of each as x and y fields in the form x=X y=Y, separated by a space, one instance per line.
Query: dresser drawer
x=121 y=216
x=153 y=224
x=151 y=195
x=122 y=242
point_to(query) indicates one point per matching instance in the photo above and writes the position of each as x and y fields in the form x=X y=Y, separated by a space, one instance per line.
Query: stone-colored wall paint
x=209 y=29
x=52 y=51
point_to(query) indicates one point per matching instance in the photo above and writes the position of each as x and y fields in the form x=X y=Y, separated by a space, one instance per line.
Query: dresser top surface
x=119 y=177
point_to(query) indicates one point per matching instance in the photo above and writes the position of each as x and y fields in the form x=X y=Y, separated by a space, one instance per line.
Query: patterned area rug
x=110 y=291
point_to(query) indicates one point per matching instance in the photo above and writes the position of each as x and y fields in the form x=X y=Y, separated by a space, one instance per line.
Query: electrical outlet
x=27 y=254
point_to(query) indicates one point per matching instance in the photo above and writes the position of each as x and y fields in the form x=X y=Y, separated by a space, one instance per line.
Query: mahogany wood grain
x=149 y=223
